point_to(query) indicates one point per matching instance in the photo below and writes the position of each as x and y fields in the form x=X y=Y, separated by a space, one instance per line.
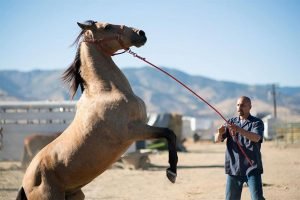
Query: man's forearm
x=249 y=135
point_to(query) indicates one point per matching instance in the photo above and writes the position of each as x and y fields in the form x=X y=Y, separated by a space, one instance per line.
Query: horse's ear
x=83 y=26
x=88 y=25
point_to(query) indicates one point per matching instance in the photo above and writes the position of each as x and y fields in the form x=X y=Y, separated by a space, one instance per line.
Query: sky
x=251 y=42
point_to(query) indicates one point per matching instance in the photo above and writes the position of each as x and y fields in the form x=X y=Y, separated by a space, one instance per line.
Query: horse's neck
x=100 y=73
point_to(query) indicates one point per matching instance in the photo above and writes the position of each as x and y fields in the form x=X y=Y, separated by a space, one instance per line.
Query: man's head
x=243 y=107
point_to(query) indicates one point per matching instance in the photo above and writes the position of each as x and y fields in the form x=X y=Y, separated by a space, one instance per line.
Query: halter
x=99 y=42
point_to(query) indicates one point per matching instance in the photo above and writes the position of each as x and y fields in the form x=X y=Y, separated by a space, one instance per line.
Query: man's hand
x=219 y=134
x=233 y=129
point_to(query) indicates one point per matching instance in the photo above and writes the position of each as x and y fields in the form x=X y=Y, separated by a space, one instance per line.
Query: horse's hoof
x=171 y=176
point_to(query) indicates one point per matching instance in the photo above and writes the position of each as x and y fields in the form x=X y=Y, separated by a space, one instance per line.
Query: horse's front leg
x=142 y=131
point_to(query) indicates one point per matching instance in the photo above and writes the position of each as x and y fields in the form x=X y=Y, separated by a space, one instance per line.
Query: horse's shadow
x=206 y=151
x=153 y=167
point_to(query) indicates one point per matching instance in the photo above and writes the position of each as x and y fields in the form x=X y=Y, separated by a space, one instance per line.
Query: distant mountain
x=160 y=93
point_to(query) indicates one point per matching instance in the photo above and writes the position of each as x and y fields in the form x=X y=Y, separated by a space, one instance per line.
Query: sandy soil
x=200 y=176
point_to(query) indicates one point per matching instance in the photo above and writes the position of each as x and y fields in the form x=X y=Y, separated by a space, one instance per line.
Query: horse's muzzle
x=138 y=42
x=141 y=33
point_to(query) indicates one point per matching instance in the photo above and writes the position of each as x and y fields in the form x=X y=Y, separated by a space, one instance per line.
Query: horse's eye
x=108 y=27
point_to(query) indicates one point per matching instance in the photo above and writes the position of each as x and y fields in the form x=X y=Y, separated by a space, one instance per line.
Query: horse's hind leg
x=143 y=132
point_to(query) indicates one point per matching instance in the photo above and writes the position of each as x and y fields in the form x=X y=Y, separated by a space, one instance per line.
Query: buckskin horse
x=109 y=118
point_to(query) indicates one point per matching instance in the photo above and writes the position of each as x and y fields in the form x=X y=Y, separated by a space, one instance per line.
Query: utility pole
x=274 y=100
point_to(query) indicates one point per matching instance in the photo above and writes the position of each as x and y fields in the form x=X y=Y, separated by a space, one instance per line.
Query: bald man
x=243 y=163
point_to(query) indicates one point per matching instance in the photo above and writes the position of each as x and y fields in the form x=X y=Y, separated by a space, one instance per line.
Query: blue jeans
x=234 y=186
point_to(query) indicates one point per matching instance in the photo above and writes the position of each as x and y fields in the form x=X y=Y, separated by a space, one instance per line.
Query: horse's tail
x=21 y=194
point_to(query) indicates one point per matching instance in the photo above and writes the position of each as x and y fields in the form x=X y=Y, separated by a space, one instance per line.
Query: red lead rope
x=194 y=93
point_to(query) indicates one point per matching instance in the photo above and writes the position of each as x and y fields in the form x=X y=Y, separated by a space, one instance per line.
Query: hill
x=160 y=93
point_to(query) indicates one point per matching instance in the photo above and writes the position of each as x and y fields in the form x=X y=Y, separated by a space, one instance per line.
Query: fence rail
x=20 y=119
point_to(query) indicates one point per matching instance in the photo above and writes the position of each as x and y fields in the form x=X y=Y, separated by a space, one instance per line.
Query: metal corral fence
x=288 y=133
x=20 y=119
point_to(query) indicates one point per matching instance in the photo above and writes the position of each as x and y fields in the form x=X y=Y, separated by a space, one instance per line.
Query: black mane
x=72 y=75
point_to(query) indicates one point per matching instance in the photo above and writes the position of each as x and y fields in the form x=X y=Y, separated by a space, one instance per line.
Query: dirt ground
x=200 y=176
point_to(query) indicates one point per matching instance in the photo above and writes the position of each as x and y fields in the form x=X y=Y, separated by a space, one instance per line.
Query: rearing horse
x=108 y=119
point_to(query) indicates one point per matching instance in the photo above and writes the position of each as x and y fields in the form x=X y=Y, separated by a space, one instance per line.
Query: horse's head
x=108 y=39
x=111 y=38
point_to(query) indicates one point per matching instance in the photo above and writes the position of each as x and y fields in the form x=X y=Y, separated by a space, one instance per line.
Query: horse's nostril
x=141 y=33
